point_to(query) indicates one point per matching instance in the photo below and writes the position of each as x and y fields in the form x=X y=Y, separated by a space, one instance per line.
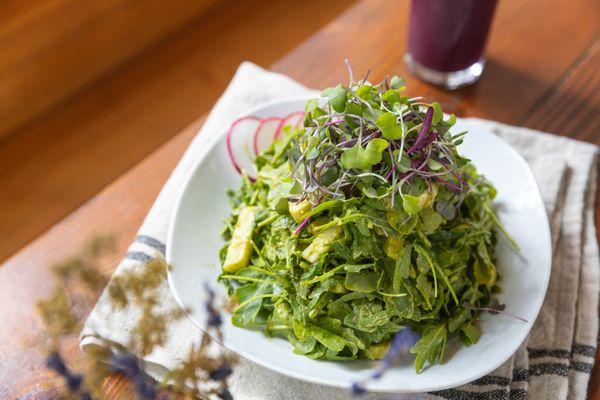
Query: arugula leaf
x=326 y=338
x=366 y=317
x=483 y=268
x=458 y=319
x=430 y=220
x=403 y=307
x=250 y=303
x=302 y=347
x=365 y=282
x=402 y=267
x=469 y=334
x=430 y=347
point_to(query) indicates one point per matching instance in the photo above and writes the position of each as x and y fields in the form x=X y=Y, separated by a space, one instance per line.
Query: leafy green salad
x=360 y=222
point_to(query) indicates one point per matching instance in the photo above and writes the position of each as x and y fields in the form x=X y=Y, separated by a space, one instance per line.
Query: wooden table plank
x=53 y=50
x=572 y=108
x=120 y=207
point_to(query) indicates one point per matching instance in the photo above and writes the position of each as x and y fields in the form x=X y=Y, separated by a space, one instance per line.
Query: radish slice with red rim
x=294 y=120
x=239 y=141
x=265 y=132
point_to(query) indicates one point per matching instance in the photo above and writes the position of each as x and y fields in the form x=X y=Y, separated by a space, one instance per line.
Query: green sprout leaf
x=365 y=92
x=391 y=96
x=338 y=96
x=438 y=114
x=361 y=158
x=396 y=82
x=451 y=120
x=390 y=129
x=311 y=105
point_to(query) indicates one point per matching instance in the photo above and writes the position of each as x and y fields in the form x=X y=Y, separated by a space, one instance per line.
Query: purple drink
x=446 y=40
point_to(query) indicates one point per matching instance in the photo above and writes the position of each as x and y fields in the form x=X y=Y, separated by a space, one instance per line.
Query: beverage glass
x=446 y=40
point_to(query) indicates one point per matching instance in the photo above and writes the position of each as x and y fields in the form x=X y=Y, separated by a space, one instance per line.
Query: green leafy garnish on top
x=361 y=223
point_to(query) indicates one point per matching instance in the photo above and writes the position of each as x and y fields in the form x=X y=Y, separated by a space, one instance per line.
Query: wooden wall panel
x=50 y=49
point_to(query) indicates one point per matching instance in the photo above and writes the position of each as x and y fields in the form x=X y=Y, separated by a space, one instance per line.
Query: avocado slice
x=298 y=209
x=240 y=247
x=321 y=244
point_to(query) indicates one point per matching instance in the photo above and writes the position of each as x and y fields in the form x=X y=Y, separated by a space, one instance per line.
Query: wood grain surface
x=53 y=48
x=530 y=74
x=137 y=108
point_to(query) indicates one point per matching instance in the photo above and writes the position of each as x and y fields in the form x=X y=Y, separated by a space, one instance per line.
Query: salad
x=359 y=221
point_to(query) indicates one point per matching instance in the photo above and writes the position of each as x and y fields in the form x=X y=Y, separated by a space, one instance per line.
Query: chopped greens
x=363 y=222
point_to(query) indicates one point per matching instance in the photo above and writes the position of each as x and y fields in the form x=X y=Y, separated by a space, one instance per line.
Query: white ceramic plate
x=194 y=242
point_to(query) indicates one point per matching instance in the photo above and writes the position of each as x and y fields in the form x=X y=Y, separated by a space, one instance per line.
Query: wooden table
x=543 y=72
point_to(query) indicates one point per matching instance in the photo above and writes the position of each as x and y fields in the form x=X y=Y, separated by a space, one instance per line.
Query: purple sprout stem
x=460 y=179
x=333 y=122
x=302 y=225
x=349 y=68
x=495 y=311
x=347 y=143
x=430 y=139
x=352 y=142
x=424 y=130
x=448 y=184
x=391 y=172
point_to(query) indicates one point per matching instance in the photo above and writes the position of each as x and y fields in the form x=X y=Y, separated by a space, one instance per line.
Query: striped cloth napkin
x=554 y=362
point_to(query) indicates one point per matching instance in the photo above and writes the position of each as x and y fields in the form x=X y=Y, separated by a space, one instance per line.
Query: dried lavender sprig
x=213 y=319
x=221 y=373
x=130 y=367
x=73 y=380
x=225 y=394
x=401 y=344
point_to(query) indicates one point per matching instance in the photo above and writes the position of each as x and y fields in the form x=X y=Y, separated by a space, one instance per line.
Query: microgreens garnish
x=371 y=138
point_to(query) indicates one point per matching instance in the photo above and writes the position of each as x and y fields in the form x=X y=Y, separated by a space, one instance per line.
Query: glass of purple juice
x=446 y=40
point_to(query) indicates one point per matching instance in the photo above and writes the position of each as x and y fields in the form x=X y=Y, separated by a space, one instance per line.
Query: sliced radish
x=294 y=120
x=239 y=142
x=266 y=131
